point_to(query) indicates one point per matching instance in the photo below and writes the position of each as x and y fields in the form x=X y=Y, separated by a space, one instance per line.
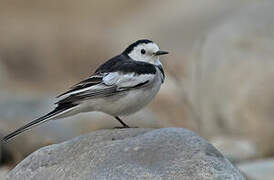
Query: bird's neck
x=157 y=62
x=159 y=65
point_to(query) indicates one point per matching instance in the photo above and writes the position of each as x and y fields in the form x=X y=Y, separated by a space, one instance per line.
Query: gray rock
x=258 y=170
x=171 y=153
x=235 y=149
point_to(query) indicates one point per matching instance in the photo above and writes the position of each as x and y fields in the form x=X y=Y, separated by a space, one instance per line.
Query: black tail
x=35 y=123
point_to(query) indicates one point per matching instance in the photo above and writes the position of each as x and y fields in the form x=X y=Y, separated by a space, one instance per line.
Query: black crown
x=133 y=45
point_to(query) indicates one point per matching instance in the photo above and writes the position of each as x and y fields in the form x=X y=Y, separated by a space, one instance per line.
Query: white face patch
x=145 y=52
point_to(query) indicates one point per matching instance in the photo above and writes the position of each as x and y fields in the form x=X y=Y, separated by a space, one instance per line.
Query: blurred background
x=219 y=71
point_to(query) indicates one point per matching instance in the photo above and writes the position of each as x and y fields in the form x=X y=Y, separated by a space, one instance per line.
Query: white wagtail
x=121 y=86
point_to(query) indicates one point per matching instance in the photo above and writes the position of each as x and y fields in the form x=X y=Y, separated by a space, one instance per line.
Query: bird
x=119 y=87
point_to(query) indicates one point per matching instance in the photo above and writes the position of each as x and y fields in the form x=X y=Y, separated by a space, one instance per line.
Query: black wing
x=91 y=81
x=120 y=63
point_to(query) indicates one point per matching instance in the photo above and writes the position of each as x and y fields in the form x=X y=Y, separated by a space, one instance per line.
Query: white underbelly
x=134 y=101
x=127 y=102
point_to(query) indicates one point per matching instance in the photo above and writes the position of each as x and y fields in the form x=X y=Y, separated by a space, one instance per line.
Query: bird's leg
x=124 y=124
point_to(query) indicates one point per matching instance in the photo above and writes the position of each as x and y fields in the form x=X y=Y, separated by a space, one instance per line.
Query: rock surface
x=170 y=153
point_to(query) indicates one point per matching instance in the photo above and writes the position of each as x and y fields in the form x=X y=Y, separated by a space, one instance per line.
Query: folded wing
x=104 y=85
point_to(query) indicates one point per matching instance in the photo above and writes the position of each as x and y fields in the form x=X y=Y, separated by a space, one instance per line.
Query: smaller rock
x=3 y=172
x=258 y=170
x=235 y=149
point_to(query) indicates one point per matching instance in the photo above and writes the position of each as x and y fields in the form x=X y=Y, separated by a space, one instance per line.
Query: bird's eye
x=143 y=51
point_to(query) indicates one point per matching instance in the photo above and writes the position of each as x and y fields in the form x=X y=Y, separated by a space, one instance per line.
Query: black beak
x=159 y=53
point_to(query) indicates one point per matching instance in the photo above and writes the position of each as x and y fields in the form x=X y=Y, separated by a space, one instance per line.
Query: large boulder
x=171 y=153
x=232 y=88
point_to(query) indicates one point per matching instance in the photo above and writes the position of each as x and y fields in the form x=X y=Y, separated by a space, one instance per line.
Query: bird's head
x=144 y=50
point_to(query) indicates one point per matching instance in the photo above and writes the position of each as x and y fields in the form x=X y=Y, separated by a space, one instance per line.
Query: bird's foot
x=120 y=127
x=123 y=127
